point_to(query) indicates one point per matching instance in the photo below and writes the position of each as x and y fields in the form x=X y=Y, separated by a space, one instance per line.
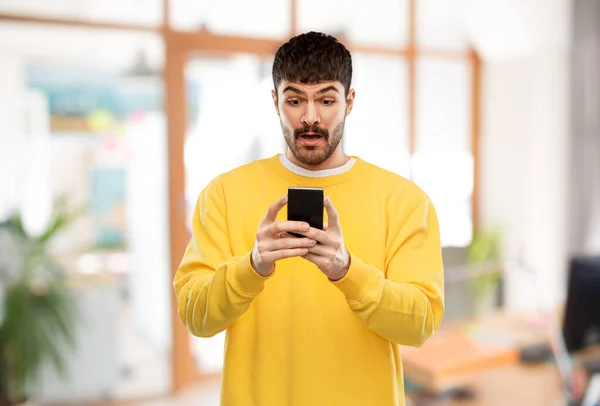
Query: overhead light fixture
x=141 y=68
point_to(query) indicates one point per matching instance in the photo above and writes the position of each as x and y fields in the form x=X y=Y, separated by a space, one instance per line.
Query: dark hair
x=313 y=57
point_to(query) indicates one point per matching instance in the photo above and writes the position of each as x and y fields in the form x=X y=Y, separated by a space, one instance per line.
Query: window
x=376 y=129
x=443 y=162
x=218 y=141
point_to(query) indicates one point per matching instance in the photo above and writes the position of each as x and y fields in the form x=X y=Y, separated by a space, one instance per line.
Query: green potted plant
x=485 y=259
x=38 y=313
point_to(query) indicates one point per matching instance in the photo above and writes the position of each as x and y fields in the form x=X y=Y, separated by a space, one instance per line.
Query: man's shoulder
x=248 y=173
x=249 y=168
x=392 y=182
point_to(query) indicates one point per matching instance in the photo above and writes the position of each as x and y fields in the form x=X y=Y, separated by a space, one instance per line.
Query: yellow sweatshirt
x=295 y=338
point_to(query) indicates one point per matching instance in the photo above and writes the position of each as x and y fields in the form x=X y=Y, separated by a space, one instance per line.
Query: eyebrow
x=328 y=89
x=292 y=89
x=298 y=91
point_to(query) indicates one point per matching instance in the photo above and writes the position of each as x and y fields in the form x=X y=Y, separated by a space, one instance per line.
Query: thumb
x=332 y=214
x=274 y=209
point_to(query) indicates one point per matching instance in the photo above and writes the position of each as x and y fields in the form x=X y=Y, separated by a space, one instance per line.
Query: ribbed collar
x=324 y=173
x=327 y=177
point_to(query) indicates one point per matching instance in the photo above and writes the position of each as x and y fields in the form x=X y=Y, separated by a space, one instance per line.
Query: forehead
x=310 y=88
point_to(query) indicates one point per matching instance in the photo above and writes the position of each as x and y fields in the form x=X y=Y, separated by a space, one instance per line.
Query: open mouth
x=310 y=139
x=310 y=136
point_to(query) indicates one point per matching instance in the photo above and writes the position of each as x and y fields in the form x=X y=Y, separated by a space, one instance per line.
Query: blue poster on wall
x=107 y=206
x=76 y=94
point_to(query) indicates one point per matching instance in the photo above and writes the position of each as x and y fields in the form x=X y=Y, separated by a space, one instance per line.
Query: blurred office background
x=128 y=108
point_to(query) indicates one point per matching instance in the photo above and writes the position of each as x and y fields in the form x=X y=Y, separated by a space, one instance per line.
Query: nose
x=311 y=114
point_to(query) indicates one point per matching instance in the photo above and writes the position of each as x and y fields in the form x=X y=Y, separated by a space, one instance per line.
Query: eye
x=328 y=102
x=294 y=102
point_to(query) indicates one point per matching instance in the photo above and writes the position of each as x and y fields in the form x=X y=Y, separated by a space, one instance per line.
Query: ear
x=350 y=101
x=275 y=101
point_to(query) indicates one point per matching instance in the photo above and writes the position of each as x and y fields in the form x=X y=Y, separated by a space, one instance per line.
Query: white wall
x=12 y=100
x=147 y=230
x=525 y=150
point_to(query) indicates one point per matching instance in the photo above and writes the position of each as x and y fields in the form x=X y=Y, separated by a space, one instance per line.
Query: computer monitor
x=581 y=323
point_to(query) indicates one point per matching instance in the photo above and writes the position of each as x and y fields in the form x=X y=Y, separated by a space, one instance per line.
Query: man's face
x=312 y=118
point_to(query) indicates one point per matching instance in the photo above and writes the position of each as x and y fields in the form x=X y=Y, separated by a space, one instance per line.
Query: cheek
x=333 y=117
x=289 y=117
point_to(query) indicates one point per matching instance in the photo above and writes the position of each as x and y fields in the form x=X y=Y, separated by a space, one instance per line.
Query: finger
x=325 y=226
x=323 y=251
x=332 y=214
x=283 y=254
x=275 y=208
x=319 y=235
x=288 y=243
x=315 y=259
x=288 y=227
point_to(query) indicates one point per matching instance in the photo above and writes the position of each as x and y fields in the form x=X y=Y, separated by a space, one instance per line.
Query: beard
x=309 y=155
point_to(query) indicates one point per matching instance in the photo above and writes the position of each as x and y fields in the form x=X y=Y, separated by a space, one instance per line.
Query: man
x=312 y=324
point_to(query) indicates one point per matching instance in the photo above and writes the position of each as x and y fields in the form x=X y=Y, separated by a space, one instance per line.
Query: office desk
x=518 y=385
x=508 y=384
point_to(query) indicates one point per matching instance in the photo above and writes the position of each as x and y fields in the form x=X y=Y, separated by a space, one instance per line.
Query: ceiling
x=496 y=28
x=77 y=46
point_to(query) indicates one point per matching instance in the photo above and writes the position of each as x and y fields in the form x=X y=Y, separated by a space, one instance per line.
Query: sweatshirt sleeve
x=405 y=303
x=212 y=287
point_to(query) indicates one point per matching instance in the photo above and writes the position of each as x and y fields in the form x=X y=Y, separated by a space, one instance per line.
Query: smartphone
x=306 y=204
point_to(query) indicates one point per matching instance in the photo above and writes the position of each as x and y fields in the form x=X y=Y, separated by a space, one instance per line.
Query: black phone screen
x=306 y=204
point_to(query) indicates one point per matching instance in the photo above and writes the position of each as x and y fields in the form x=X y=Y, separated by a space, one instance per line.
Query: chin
x=311 y=158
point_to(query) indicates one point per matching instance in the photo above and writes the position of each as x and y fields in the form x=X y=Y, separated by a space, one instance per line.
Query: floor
x=202 y=395
x=147 y=371
x=144 y=369
x=205 y=394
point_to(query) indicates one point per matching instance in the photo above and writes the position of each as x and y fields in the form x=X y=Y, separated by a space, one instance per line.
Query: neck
x=337 y=159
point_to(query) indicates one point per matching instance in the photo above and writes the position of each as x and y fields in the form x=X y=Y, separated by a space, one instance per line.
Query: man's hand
x=330 y=255
x=274 y=243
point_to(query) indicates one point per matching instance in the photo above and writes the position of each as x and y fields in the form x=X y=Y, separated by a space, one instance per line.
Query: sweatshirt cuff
x=358 y=281
x=244 y=279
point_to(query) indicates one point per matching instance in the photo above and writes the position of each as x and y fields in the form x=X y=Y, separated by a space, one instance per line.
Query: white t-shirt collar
x=315 y=174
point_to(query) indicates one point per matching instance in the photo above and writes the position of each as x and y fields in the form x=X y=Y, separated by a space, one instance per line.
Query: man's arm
x=213 y=288
x=406 y=304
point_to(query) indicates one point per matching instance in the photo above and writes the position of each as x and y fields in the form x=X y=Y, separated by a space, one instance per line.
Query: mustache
x=311 y=129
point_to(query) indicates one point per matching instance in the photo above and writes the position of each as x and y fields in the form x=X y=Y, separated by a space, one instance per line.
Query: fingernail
x=305 y=227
